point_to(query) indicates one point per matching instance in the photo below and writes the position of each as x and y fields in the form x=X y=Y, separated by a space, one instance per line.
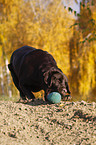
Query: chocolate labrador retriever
x=33 y=70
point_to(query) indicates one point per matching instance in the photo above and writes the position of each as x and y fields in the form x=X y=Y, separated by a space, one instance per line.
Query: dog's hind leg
x=16 y=82
x=26 y=91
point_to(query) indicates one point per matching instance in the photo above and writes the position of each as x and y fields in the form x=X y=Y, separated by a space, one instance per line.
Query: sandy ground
x=39 y=123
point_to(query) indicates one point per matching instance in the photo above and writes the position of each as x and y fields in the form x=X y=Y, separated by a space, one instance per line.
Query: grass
x=16 y=97
x=40 y=95
x=7 y=98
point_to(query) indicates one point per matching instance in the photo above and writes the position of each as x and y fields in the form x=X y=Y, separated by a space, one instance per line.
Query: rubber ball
x=54 y=97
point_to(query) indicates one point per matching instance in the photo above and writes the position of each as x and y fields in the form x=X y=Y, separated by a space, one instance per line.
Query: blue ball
x=54 y=97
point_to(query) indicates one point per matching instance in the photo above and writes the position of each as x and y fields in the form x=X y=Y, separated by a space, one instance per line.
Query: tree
x=82 y=52
x=40 y=25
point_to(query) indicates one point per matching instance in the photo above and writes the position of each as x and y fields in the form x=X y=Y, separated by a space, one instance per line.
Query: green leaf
x=83 y=5
x=75 y=13
x=70 y=9
x=74 y=25
x=78 y=15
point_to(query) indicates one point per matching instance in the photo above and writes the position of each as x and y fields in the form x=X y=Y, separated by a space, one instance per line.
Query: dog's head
x=56 y=81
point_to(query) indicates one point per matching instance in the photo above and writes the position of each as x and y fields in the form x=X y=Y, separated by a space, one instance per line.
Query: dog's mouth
x=65 y=95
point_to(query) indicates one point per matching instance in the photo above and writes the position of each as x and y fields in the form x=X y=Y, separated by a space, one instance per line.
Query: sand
x=39 y=123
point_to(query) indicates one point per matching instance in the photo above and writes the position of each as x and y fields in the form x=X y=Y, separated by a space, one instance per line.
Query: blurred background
x=64 y=28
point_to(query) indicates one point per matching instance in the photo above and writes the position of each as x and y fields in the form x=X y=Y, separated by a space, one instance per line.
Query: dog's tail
x=10 y=66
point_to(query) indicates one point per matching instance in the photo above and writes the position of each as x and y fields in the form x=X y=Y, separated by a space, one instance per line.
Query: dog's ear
x=51 y=76
x=45 y=75
x=47 y=78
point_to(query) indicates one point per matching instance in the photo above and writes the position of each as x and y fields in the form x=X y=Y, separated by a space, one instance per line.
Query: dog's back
x=26 y=55
x=19 y=53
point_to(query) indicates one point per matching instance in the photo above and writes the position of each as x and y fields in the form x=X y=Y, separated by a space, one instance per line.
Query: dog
x=33 y=70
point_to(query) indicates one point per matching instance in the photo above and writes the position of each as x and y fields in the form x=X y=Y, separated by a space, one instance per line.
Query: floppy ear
x=51 y=76
x=45 y=75
x=47 y=78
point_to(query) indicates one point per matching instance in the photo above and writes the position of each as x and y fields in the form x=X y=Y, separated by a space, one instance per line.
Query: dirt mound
x=39 y=123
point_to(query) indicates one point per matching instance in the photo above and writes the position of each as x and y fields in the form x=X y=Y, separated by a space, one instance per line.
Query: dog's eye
x=65 y=90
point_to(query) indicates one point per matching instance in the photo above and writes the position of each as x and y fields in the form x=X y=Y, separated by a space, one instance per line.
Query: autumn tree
x=82 y=52
x=49 y=25
x=41 y=25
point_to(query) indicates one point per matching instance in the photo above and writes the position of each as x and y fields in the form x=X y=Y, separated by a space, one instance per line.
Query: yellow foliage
x=48 y=27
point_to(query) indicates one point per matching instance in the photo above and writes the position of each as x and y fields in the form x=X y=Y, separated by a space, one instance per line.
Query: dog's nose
x=68 y=92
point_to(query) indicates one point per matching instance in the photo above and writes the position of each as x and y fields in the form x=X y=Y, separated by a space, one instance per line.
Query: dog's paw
x=67 y=98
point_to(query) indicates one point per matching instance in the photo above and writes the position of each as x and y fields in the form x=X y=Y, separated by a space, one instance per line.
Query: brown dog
x=33 y=70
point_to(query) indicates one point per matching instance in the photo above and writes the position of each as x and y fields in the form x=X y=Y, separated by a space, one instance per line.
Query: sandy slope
x=39 y=123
